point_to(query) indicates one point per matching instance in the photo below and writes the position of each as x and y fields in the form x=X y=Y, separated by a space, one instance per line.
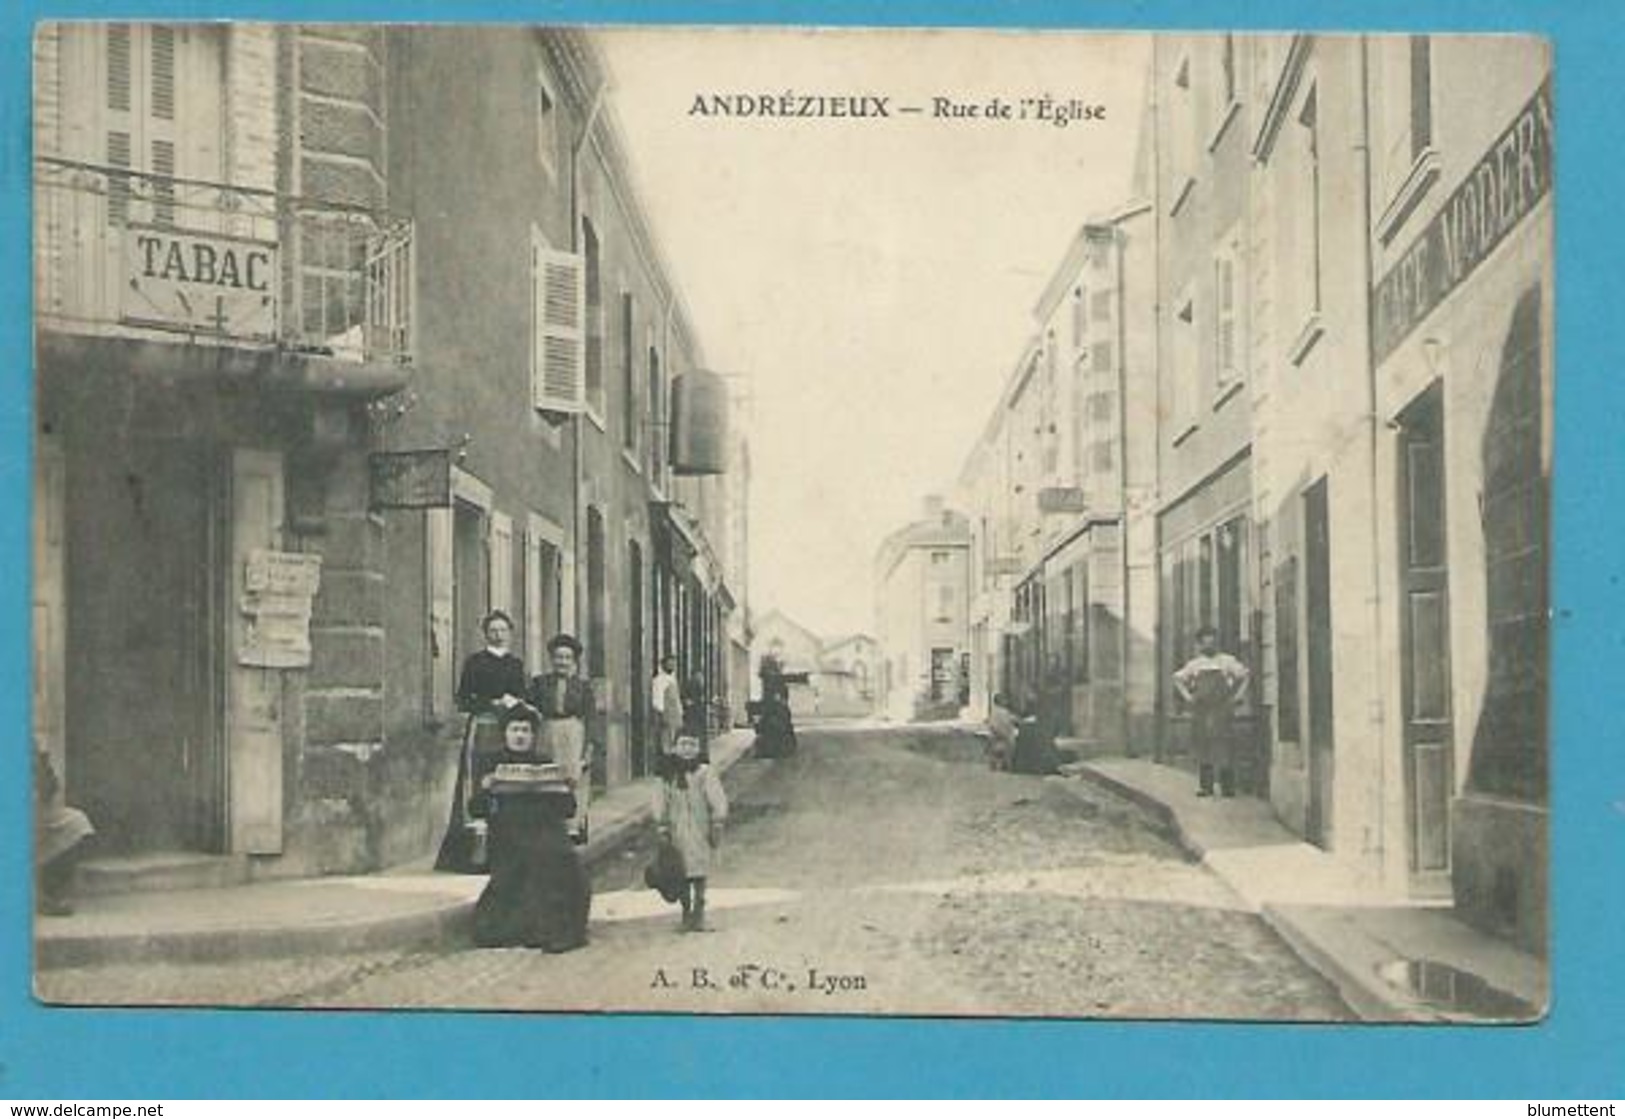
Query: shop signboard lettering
x=202 y=283
x=1502 y=188
x=410 y=479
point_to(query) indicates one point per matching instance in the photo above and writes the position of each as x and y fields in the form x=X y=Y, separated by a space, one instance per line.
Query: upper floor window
x=593 y=266
x=1225 y=96
x=1185 y=365
x=1305 y=243
x=1406 y=165
x=1079 y=317
x=629 y=380
x=1181 y=132
x=547 y=126
x=1226 y=313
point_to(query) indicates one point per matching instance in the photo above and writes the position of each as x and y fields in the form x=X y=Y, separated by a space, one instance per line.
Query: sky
x=869 y=282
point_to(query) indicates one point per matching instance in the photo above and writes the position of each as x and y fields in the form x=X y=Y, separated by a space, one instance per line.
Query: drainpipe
x=1123 y=644
x=1380 y=714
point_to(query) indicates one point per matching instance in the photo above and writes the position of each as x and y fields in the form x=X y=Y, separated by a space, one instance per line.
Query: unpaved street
x=878 y=870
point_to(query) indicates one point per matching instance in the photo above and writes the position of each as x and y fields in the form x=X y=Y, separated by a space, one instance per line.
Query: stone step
x=160 y=870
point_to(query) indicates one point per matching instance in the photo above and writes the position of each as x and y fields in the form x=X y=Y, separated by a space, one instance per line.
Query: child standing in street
x=690 y=809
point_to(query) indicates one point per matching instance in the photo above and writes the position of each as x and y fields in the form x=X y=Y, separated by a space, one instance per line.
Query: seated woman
x=60 y=833
x=539 y=893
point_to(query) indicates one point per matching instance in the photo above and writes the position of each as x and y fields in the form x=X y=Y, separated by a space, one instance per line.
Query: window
x=1224 y=100
x=547 y=127
x=1406 y=163
x=1078 y=317
x=1184 y=367
x=945 y=603
x=629 y=381
x=1232 y=621
x=657 y=418
x=1181 y=134
x=143 y=67
x=595 y=317
x=939 y=557
x=1226 y=316
x=1304 y=244
x=556 y=355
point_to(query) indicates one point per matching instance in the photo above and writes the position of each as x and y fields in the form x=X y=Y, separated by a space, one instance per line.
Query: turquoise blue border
x=1578 y=1052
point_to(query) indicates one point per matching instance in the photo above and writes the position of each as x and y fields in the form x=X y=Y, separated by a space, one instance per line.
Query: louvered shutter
x=558 y=381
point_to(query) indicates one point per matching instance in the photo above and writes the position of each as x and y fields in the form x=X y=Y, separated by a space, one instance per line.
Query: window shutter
x=118 y=67
x=559 y=381
x=162 y=98
x=163 y=188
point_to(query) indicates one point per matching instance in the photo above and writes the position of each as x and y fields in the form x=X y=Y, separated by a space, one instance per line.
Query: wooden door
x=1424 y=574
x=254 y=694
x=1318 y=662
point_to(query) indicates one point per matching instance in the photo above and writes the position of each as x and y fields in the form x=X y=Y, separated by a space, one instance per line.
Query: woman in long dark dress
x=492 y=681
x=539 y=893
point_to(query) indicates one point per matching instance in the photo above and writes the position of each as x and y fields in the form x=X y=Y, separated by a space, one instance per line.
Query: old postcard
x=749 y=520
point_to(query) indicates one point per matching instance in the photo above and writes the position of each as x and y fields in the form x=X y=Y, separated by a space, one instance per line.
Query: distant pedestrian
x=697 y=715
x=564 y=700
x=666 y=697
x=1002 y=728
x=690 y=810
x=1034 y=751
x=1211 y=684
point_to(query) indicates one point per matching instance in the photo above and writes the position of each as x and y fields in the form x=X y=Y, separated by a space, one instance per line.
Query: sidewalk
x=406 y=907
x=1392 y=959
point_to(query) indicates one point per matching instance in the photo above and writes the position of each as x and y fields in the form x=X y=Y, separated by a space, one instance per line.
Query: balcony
x=126 y=254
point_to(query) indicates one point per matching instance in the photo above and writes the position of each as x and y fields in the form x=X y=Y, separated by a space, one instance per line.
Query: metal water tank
x=699 y=423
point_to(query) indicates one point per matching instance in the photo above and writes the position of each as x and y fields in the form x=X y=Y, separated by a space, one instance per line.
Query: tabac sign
x=201 y=283
x=1506 y=183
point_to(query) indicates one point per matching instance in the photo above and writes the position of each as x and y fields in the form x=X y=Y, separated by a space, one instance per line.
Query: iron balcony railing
x=125 y=252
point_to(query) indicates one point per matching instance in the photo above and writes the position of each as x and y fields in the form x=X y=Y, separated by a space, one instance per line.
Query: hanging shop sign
x=410 y=479
x=279 y=589
x=1061 y=499
x=1503 y=187
x=201 y=283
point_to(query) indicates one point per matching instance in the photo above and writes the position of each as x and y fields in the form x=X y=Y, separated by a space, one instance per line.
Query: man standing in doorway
x=666 y=696
x=1211 y=684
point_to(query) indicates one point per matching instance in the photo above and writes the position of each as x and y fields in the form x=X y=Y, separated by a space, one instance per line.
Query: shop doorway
x=1317 y=587
x=1424 y=573
x=144 y=556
